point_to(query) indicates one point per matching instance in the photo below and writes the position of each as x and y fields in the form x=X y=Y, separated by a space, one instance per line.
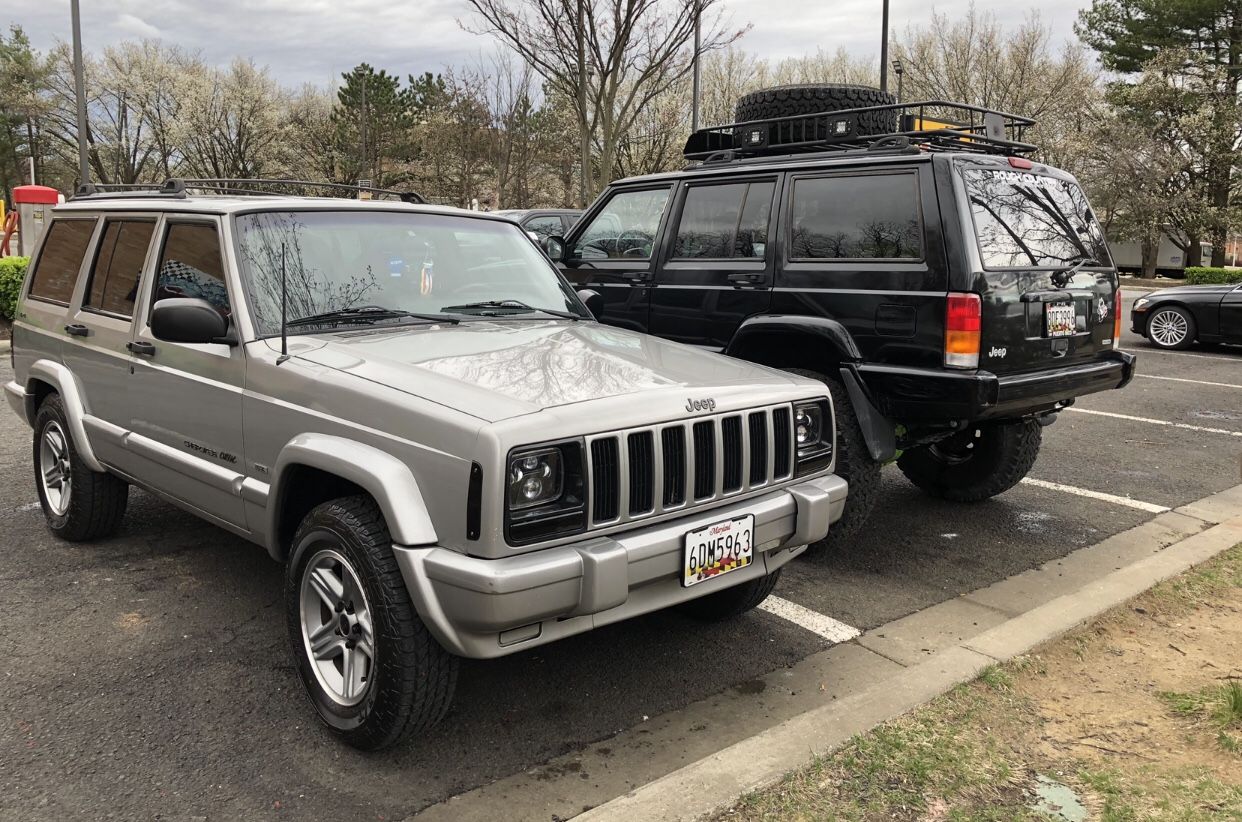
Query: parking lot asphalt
x=147 y=676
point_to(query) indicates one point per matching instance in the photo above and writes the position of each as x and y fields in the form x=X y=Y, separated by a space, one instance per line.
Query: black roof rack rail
x=177 y=187
x=926 y=125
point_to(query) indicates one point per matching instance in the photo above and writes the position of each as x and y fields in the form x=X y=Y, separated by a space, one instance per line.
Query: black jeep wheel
x=78 y=503
x=792 y=100
x=977 y=464
x=731 y=602
x=854 y=464
x=373 y=672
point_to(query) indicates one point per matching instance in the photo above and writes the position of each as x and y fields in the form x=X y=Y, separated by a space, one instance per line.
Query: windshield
x=401 y=262
x=1025 y=220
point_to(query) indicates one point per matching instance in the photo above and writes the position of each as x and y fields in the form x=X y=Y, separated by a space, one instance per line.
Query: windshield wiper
x=1062 y=276
x=367 y=314
x=517 y=305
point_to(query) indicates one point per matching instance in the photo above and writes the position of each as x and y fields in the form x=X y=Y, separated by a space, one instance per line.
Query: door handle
x=77 y=330
x=747 y=278
x=141 y=347
x=634 y=276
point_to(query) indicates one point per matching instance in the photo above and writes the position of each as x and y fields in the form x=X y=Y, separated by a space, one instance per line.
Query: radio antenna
x=284 y=299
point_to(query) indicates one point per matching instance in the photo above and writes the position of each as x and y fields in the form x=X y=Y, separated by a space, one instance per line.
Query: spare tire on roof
x=811 y=98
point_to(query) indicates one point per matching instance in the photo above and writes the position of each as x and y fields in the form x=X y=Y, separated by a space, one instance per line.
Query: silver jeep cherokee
x=410 y=408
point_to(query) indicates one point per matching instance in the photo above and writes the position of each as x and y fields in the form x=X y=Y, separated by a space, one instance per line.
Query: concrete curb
x=715 y=782
x=5 y=346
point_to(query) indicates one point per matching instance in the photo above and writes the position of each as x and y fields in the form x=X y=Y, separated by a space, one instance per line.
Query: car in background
x=542 y=223
x=1176 y=318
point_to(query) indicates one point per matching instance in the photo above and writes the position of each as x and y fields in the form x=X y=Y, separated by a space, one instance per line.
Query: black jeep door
x=717 y=268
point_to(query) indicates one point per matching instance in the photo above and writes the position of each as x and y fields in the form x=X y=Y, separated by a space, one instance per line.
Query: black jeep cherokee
x=953 y=294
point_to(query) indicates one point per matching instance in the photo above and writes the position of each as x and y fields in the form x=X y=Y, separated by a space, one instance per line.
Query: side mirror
x=593 y=300
x=190 y=320
x=554 y=247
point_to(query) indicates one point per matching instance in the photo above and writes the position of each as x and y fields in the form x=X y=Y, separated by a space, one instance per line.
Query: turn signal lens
x=961 y=331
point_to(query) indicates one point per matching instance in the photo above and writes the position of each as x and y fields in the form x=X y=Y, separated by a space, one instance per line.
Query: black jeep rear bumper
x=919 y=395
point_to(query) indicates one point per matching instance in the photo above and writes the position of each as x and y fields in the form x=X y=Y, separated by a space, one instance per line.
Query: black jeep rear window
x=1025 y=220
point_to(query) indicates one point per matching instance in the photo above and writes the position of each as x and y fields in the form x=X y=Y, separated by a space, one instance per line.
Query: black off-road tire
x=414 y=676
x=97 y=499
x=1002 y=455
x=854 y=465
x=731 y=602
x=792 y=100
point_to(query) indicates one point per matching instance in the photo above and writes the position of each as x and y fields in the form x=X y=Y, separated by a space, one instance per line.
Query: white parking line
x=813 y=621
x=1181 y=425
x=1196 y=382
x=1150 y=507
x=1150 y=350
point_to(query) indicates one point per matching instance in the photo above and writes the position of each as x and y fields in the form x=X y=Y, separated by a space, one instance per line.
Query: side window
x=544 y=227
x=190 y=266
x=118 y=266
x=56 y=270
x=872 y=216
x=725 y=221
x=625 y=228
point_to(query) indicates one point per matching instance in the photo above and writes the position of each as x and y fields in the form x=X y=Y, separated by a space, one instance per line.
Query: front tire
x=374 y=673
x=731 y=602
x=1171 y=328
x=977 y=464
x=78 y=503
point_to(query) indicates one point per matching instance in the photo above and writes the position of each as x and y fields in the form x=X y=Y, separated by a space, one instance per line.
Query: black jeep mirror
x=554 y=247
x=593 y=300
x=189 y=320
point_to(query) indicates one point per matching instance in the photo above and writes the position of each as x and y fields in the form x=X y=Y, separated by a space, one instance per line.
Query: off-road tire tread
x=803 y=98
x=419 y=686
x=97 y=500
x=966 y=482
x=731 y=602
x=1192 y=329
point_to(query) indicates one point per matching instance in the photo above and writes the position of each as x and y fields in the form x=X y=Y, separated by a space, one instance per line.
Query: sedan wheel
x=1171 y=327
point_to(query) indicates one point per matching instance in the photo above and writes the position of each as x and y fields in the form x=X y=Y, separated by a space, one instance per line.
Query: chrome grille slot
x=704 y=459
x=758 y=448
x=673 y=441
x=782 y=439
x=605 y=480
x=642 y=472
x=731 y=440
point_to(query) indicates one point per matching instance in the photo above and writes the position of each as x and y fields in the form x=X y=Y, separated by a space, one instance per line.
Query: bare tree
x=230 y=126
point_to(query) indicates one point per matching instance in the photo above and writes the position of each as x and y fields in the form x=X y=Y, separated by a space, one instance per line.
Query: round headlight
x=532 y=488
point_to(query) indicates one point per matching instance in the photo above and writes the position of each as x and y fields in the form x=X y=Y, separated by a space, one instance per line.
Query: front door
x=186 y=400
x=1231 y=316
x=613 y=250
x=718 y=267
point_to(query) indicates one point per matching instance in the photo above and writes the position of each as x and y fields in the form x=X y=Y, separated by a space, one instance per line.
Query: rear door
x=43 y=322
x=1231 y=316
x=717 y=269
x=1030 y=227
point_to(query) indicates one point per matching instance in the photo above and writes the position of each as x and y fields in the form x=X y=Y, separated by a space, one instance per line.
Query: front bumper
x=912 y=395
x=485 y=608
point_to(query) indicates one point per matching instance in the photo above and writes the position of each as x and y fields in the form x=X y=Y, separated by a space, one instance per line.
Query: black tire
x=854 y=465
x=731 y=602
x=1163 y=326
x=411 y=678
x=96 y=500
x=792 y=100
x=977 y=464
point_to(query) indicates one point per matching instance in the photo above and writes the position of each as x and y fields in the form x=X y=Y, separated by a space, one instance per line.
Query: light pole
x=884 y=48
x=900 y=71
x=584 y=134
x=696 y=85
x=79 y=90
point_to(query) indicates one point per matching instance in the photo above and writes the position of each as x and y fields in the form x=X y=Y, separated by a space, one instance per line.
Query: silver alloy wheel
x=336 y=627
x=1168 y=328
x=55 y=471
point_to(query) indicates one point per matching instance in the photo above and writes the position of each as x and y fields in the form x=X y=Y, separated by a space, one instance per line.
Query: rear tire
x=854 y=465
x=400 y=680
x=78 y=503
x=731 y=602
x=1171 y=328
x=977 y=464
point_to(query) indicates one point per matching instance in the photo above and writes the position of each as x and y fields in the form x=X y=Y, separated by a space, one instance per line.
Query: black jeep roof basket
x=177 y=187
x=927 y=125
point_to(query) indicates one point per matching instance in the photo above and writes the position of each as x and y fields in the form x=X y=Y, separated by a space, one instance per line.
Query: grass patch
x=1217 y=706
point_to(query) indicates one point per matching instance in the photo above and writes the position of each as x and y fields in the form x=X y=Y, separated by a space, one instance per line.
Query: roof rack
x=927 y=125
x=177 y=187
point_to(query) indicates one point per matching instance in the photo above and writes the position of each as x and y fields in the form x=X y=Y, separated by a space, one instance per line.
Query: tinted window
x=1024 y=219
x=190 y=266
x=723 y=221
x=61 y=259
x=874 y=216
x=118 y=266
x=545 y=227
x=625 y=228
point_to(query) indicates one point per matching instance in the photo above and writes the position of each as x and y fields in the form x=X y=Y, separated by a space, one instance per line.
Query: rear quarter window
x=856 y=217
x=56 y=271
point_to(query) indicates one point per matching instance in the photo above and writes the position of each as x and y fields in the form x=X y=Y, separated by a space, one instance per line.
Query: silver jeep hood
x=503 y=369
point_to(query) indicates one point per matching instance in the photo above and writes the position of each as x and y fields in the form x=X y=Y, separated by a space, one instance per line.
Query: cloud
x=133 y=25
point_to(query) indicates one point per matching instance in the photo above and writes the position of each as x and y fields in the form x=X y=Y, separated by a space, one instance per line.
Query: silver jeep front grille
x=646 y=471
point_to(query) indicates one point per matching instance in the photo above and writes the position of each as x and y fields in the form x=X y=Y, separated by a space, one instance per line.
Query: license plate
x=718 y=549
x=1060 y=319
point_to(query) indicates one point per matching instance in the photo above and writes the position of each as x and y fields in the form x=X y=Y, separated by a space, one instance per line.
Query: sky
x=313 y=41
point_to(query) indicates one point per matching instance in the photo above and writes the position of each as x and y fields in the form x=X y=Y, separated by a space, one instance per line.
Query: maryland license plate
x=1060 y=319
x=718 y=550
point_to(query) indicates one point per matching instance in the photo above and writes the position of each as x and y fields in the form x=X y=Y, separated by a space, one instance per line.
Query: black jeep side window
x=625 y=228
x=871 y=216
x=725 y=221
x=118 y=266
x=56 y=270
x=190 y=266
